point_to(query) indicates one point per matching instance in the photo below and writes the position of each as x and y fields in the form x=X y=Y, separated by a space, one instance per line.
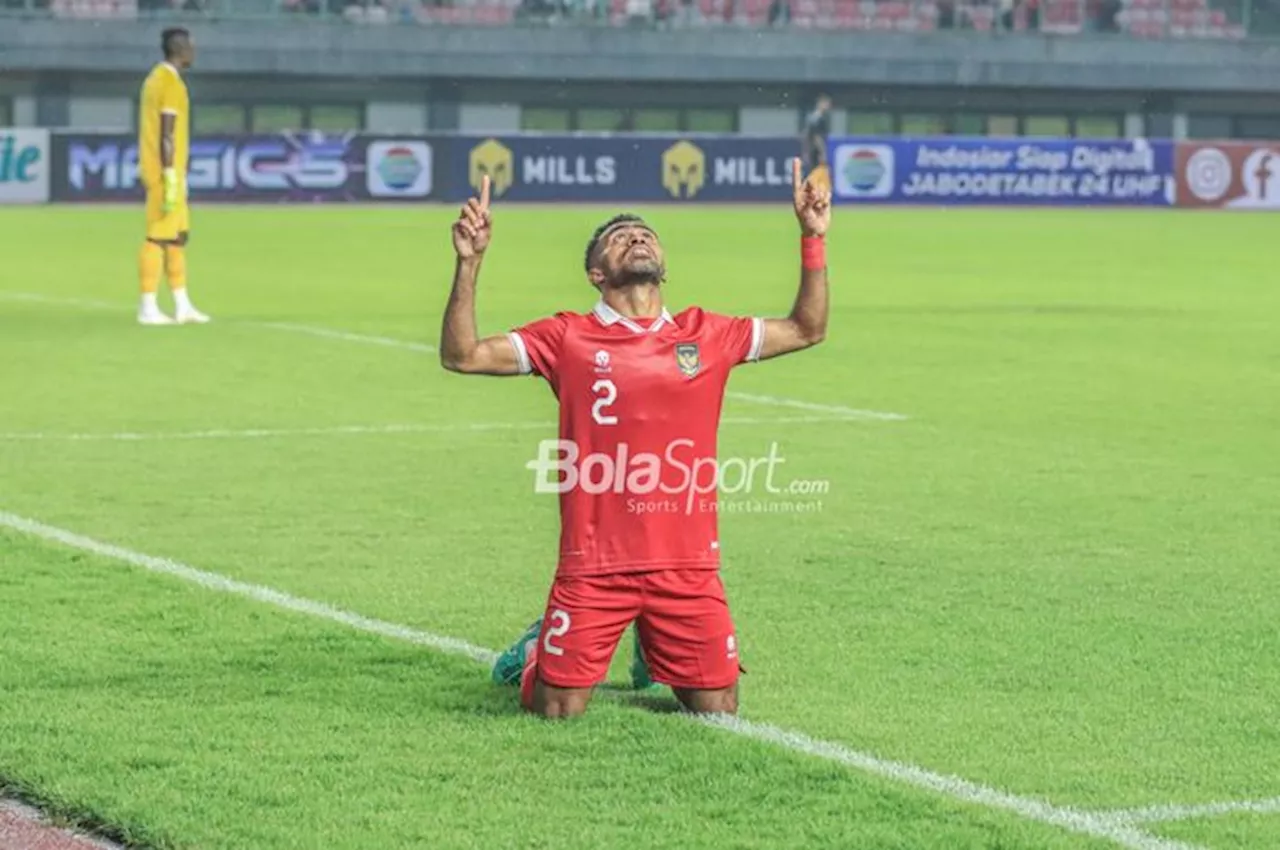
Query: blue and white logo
x=863 y=171
x=398 y=169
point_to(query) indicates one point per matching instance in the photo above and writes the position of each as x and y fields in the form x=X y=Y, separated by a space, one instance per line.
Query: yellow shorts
x=166 y=227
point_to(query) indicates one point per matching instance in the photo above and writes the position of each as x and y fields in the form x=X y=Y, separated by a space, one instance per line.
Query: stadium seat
x=1146 y=19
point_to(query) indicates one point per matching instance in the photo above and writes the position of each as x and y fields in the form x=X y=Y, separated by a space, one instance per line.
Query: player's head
x=624 y=251
x=178 y=47
x=823 y=103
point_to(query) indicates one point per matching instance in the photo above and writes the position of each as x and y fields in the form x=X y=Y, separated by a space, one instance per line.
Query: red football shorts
x=685 y=629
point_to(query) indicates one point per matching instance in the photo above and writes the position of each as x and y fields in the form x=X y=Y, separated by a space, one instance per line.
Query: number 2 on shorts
x=559 y=625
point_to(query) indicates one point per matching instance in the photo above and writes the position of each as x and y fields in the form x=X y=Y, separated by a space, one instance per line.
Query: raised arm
x=461 y=349
x=806 y=325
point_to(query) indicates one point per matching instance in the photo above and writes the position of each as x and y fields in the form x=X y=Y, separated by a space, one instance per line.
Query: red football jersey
x=639 y=410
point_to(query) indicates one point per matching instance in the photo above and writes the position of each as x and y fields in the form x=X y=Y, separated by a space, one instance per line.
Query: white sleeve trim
x=522 y=353
x=168 y=112
x=757 y=341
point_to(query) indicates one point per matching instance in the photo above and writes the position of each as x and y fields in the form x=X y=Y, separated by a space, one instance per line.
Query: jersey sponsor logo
x=24 y=166
x=688 y=359
x=864 y=171
x=494 y=158
x=684 y=169
x=398 y=169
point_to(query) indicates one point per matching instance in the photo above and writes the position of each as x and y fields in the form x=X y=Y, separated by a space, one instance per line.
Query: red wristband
x=813 y=253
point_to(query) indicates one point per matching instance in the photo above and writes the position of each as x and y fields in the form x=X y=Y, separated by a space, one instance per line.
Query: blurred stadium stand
x=1000 y=68
x=1150 y=19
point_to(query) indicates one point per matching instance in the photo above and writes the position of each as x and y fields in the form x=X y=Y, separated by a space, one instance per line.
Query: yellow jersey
x=163 y=93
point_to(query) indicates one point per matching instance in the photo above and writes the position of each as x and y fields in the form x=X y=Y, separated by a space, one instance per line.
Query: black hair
x=171 y=39
x=622 y=218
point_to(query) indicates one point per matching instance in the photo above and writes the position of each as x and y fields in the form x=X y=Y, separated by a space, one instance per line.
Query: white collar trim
x=609 y=316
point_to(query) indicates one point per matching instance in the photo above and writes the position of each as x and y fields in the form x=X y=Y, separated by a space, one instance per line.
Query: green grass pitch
x=1055 y=577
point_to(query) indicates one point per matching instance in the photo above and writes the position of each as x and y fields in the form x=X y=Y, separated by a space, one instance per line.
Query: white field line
x=1157 y=814
x=345 y=336
x=352 y=430
x=213 y=581
x=1098 y=825
x=423 y=348
x=835 y=409
x=81 y=303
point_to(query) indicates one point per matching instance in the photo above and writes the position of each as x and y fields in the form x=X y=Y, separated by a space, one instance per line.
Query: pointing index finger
x=484 y=192
x=797 y=186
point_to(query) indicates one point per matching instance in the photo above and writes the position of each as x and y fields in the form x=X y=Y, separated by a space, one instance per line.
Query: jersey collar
x=609 y=316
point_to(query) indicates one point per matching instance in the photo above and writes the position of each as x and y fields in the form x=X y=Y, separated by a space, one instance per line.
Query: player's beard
x=639 y=272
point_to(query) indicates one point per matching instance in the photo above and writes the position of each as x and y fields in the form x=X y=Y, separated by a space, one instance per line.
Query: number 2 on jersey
x=559 y=625
x=606 y=394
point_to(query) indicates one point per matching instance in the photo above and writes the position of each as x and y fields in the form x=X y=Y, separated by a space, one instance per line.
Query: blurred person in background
x=817 y=126
x=163 y=152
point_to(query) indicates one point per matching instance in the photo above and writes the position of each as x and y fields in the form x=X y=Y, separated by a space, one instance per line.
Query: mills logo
x=494 y=158
x=684 y=169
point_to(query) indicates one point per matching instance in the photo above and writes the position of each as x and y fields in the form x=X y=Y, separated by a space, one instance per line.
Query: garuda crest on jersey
x=687 y=359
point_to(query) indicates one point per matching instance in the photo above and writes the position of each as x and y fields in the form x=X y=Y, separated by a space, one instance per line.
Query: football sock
x=175 y=268
x=150 y=267
x=640 y=676
x=529 y=673
x=510 y=664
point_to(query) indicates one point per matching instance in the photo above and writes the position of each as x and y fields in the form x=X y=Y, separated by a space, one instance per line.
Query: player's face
x=187 y=53
x=631 y=253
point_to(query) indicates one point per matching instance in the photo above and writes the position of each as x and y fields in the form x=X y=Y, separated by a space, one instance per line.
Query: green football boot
x=510 y=664
x=640 y=679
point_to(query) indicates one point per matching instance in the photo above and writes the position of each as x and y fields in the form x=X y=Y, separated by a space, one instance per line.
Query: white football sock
x=149 y=304
x=181 y=301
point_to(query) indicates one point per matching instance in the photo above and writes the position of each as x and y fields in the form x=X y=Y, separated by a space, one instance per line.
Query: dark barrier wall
x=306 y=167
x=618 y=169
x=1232 y=175
x=1051 y=172
x=314 y=168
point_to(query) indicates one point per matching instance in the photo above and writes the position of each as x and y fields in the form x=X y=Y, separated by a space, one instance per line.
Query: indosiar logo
x=494 y=158
x=684 y=169
x=864 y=171
x=398 y=168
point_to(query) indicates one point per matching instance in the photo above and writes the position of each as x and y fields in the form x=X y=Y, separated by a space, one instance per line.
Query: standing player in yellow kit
x=163 y=152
